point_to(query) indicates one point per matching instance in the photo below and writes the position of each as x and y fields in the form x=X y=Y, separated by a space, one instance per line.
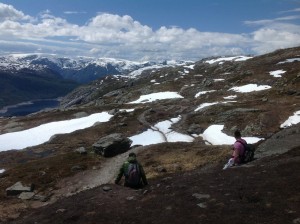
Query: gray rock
x=113 y=111
x=161 y=169
x=130 y=198
x=77 y=168
x=296 y=221
x=195 y=129
x=81 y=150
x=112 y=145
x=106 y=188
x=26 y=195
x=80 y=114
x=202 y=205
x=201 y=196
x=18 y=188
x=41 y=198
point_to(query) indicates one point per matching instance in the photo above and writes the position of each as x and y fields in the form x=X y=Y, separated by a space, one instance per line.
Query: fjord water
x=26 y=108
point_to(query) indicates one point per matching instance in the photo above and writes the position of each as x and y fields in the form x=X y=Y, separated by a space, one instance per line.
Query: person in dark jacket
x=125 y=170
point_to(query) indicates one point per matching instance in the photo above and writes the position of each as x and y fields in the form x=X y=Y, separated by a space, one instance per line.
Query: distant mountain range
x=25 y=77
x=79 y=69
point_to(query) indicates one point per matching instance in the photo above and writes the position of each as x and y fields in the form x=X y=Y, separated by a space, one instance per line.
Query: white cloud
x=292 y=10
x=269 y=21
x=75 y=12
x=268 y=39
x=8 y=12
x=108 y=35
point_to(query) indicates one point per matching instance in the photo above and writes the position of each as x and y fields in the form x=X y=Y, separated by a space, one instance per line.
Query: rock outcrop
x=112 y=145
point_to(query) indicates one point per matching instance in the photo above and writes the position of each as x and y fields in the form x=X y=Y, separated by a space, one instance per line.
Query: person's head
x=132 y=154
x=237 y=134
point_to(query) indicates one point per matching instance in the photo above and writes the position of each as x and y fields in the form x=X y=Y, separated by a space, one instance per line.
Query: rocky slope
x=187 y=183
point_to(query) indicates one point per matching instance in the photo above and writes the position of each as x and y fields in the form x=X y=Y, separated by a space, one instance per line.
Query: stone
x=112 y=145
x=77 y=168
x=201 y=196
x=161 y=169
x=195 y=129
x=296 y=221
x=202 y=205
x=80 y=114
x=130 y=198
x=18 y=188
x=26 y=195
x=41 y=198
x=106 y=188
x=81 y=150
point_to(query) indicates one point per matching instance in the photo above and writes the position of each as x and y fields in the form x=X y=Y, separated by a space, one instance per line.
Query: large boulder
x=18 y=188
x=112 y=145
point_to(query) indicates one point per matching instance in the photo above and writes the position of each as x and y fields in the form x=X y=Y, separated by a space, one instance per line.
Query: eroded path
x=92 y=178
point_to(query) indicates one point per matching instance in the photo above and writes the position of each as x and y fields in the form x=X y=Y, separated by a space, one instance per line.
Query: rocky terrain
x=186 y=179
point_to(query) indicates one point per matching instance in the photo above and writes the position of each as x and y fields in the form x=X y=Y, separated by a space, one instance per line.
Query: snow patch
x=156 y=96
x=223 y=59
x=204 y=92
x=159 y=133
x=214 y=136
x=277 y=73
x=295 y=119
x=250 y=88
x=43 y=133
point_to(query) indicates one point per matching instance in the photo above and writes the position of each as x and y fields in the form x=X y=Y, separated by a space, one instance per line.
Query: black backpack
x=133 y=176
x=248 y=153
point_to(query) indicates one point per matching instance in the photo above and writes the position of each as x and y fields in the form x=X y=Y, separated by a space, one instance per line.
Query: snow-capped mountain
x=79 y=69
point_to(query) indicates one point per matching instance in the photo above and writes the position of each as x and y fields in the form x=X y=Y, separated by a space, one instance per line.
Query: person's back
x=238 y=148
x=134 y=173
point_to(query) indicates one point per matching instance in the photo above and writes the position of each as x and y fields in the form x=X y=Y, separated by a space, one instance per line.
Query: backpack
x=133 y=174
x=249 y=152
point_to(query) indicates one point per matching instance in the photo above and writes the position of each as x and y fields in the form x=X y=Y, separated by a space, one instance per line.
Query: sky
x=140 y=30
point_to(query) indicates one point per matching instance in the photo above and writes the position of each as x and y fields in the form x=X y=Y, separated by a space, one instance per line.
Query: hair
x=237 y=134
x=132 y=154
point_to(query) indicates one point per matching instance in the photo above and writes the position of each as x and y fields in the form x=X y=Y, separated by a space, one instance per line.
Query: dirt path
x=91 y=178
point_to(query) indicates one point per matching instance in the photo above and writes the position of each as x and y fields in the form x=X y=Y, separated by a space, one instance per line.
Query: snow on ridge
x=290 y=60
x=277 y=73
x=43 y=133
x=204 y=92
x=171 y=63
x=2 y=170
x=230 y=97
x=223 y=59
x=295 y=119
x=159 y=133
x=214 y=136
x=203 y=105
x=156 y=96
x=250 y=88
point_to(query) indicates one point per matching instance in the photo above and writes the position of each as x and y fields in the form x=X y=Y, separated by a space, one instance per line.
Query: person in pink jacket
x=238 y=148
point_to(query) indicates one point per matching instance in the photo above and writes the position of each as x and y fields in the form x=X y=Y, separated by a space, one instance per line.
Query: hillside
x=27 y=84
x=186 y=179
